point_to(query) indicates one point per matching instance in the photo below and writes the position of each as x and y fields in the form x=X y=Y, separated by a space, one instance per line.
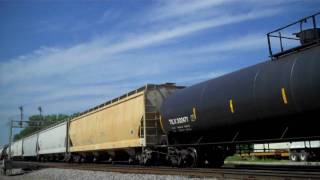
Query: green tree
x=38 y=122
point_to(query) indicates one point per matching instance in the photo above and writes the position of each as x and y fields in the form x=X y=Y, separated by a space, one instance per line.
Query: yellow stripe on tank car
x=194 y=113
x=161 y=125
x=284 y=96
x=231 y=106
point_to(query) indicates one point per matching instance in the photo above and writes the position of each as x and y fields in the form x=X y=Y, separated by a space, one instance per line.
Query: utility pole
x=40 y=111
x=41 y=118
x=10 y=139
x=20 y=124
x=21 y=115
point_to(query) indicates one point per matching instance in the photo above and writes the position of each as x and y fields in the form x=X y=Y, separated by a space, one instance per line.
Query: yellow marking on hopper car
x=284 y=96
x=194 y=113
x=231 y=106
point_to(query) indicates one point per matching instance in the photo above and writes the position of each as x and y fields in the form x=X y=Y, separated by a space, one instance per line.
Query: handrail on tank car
x=271 y=34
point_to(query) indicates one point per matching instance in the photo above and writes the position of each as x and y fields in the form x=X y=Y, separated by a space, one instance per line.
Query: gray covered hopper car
x=16 y=149
x=52 y=142
x=30 y=146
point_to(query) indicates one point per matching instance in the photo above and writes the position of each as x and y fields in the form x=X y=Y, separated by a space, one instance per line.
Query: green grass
x=251 y=159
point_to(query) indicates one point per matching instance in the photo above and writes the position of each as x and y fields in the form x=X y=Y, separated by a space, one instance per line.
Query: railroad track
x=227 y=172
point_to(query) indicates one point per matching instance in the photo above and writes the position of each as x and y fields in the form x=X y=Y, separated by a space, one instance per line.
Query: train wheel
x=67 y=158
x=42 y=159
x=96 y=160
x=185 y=158
x=76 y=158
x=130 y=161
x=82 y=160
x=110 y=160
x=139 y=158
x=192 y=157
x=145 y=158
x=144 y=161
x=304 y=156
x=294 y=156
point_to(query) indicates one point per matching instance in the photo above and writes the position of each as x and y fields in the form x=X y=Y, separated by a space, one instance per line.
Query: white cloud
x=109 y=15
x=234 y=44
x=174 y=8
x=200 y=76
x=57 y=61
x=192 y=9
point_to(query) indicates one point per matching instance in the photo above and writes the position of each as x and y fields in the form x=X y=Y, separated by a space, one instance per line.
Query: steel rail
x=237 y=171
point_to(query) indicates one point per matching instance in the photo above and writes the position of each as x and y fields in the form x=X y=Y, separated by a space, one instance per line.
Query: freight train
x=277 y=100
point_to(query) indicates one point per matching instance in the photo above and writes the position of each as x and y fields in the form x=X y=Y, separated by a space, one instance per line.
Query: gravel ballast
x=69 y=174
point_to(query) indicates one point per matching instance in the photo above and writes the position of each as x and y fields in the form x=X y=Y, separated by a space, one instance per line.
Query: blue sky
x=70 y=56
